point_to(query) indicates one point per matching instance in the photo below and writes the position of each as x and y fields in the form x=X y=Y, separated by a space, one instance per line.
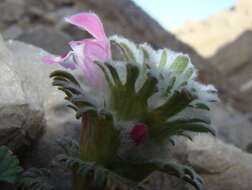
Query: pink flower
x=86 y=51
x=139 y=133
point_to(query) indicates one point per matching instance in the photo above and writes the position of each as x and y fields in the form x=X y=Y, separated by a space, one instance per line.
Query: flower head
x=150 y=97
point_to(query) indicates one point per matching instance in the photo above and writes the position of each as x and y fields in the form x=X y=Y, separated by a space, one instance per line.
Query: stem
x=81 y=183
x=98 y=144
x=85 y=133
x=86 y=145
x=98 y=139
x=90 y=139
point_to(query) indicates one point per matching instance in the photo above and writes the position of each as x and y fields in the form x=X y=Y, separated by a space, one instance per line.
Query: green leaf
x=198 y=127
x=183 y=172
x=132 y=75
x=201 y=106
x=188 y=73
x=85 y=169
x=126 y=51
x=175 y=104
x=172 y=141
x=114 y=73
x=71 y=147
x=187 y=121
x=35 y=179
x=68 y=93
x=80 y=101
x=73 y=88
x=184 y=134
x=179 y=129
x=100 y=178
x=179 y=64
x=163 y=59
x=66 y=161
x=72 y=107
x=146 y=54
x=170 y=85
x=149 y=87
x=106 y=73
x=65 y=75
x=83 y=110
x=9 y=166
x=140 y=170
x=192 y=118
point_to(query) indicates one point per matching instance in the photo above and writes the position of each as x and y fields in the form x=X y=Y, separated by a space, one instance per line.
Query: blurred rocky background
x=225 y=41
x=33 y=115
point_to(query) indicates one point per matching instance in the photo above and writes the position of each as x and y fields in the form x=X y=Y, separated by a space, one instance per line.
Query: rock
x=12 y=32
x=20 y=126
x=21 y=121
x=209 y=35
x=161 y=181
x=227 y=49
x=223 y=166
x=249 y=148
x=9 y=82
x=12 y=10
x=231 y=125
x=52 y=40
x=60 y=120
x=235 y=61
x=57 y=17
x=229 y=59
x=53 y=4
x=56 y=114
x=45 y=5
x=244 y=5
x=63 y=2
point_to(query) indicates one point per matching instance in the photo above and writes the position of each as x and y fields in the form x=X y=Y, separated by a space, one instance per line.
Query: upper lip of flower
x=91 y=23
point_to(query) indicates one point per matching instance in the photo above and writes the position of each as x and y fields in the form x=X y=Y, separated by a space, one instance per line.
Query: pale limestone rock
x=47 y=38
x=11 y=10
x=11 y=91
x=232 y=126
x=21 y=121
x=223 y=166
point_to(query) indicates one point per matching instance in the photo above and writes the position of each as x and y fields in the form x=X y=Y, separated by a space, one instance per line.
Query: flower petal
x=94 y=49
x=48 y=59
x=66 y=60
x=86 y=53
x=89 y=22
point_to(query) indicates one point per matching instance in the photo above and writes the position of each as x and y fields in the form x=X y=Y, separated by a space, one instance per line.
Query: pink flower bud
x=139 y=133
